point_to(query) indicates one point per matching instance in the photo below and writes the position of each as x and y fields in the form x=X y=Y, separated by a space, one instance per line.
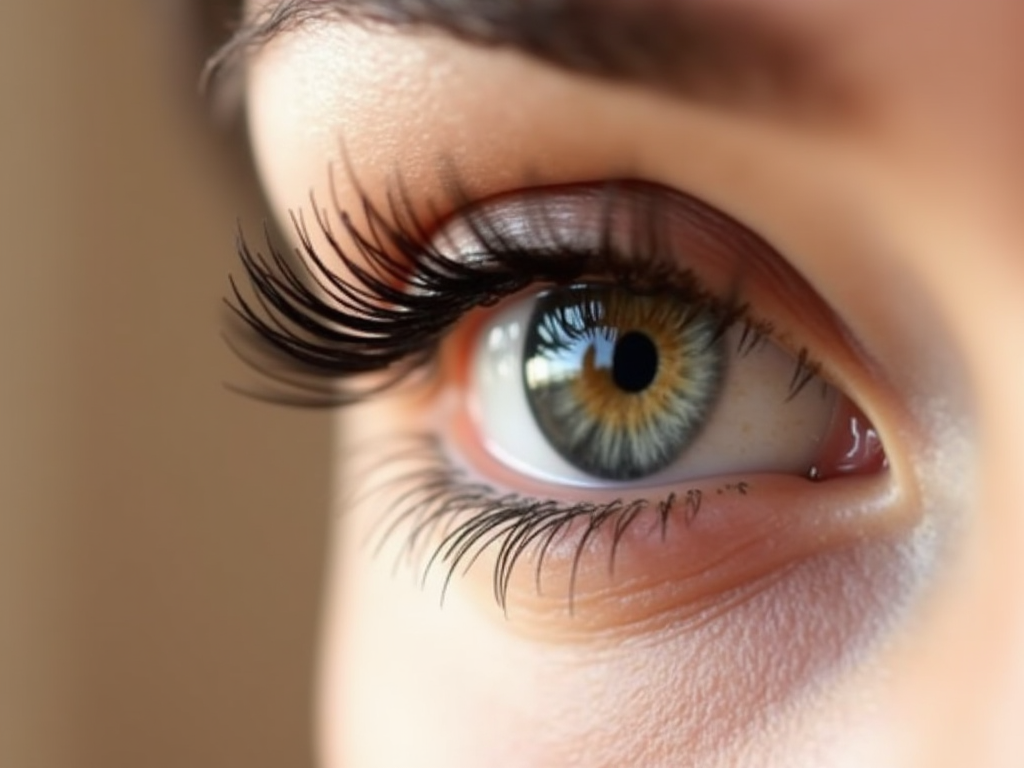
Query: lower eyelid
x=693 y=568
x=596 y=581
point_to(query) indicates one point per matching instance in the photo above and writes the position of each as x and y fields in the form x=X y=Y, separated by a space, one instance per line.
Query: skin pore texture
x=870 y=620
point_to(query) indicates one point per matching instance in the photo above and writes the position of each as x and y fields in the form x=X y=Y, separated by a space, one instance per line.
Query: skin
x=884 y=625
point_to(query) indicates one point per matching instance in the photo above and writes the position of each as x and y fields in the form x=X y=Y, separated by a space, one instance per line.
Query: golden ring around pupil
x=595 y=388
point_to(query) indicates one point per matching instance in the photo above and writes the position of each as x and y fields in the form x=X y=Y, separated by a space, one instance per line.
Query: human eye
x=608 y=390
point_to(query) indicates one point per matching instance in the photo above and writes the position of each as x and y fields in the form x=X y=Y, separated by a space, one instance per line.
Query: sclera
x=757 y=424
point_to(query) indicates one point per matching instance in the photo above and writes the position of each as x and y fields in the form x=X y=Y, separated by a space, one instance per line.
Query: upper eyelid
x=365 y=319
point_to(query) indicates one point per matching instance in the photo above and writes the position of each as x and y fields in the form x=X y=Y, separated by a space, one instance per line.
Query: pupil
x=634 y=362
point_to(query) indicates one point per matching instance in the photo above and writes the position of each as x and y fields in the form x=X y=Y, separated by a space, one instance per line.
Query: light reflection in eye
x=502 y=337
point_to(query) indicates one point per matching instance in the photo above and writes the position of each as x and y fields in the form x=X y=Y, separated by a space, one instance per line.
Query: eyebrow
x=705 y=51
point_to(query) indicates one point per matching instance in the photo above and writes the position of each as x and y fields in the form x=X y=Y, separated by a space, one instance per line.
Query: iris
x=621 y=383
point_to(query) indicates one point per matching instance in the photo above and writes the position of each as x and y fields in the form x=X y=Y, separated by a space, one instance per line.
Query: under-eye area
x=599 y=560
x=589 y=401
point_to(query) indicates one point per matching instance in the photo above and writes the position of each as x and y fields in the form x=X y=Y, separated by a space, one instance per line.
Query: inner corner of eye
x=593 y=385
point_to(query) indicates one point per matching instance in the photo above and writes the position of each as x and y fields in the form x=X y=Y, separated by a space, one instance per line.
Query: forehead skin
x=907 y=216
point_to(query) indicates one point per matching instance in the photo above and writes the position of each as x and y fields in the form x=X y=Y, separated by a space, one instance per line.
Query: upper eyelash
x=400 y=295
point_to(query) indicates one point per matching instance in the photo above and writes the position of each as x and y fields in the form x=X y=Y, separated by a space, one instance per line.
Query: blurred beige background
x=160 y=538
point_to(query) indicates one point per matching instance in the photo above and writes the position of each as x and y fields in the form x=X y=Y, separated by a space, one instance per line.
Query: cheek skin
x=703 y=686
x=965 y=675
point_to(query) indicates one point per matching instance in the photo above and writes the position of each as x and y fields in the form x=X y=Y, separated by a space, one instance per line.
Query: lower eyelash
x=447 y=521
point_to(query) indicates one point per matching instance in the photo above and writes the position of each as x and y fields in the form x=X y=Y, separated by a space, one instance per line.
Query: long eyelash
x=396 y=295
x=456 y=520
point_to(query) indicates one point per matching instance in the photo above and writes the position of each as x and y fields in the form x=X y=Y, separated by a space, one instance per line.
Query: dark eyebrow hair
x=703 y=50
